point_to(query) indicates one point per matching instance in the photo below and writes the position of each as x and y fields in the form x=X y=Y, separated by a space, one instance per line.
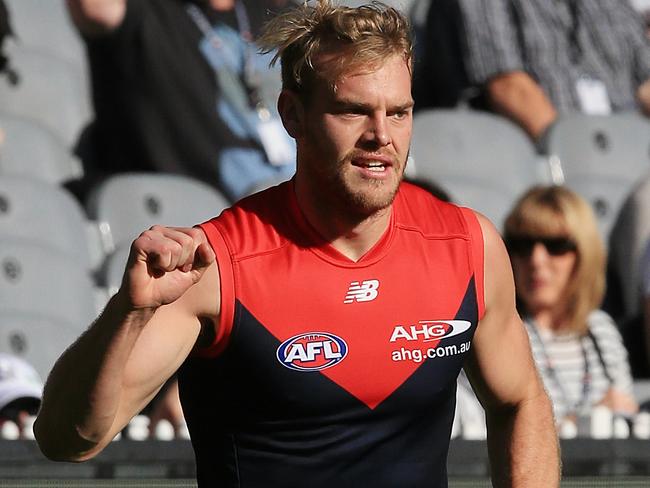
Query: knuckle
x=195 y=234
x=172 y=247
x=186 y=240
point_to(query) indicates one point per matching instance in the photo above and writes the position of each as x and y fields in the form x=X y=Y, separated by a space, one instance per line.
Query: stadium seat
x=482 y=160
x=47 y=26
x=112 y=270
x=602 y=157
x=129 y=203
x=33 y=210
x=30 y=149
x=50 y=90
x=36 y=279
x=39 y=340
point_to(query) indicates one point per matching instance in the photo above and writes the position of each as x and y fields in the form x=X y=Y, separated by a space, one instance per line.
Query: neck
x=549 y=320
x=351 y=235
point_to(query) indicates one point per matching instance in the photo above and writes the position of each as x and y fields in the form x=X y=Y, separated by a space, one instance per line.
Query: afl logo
x=312 y=351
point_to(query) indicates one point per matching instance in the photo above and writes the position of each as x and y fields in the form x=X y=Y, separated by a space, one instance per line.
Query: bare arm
x=643 y=96
x=96 y=17
x=517 y=96
x=146 y=331
x=522 y=441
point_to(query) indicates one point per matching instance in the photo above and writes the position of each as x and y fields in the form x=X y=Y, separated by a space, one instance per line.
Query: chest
x=399 y=326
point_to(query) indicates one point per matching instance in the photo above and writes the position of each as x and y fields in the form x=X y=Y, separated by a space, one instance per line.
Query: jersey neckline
x=325 y=250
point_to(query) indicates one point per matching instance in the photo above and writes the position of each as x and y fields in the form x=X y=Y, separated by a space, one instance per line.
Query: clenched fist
x=163 y=264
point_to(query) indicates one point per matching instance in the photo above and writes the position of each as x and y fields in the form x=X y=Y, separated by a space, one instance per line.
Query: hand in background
x=619 y=402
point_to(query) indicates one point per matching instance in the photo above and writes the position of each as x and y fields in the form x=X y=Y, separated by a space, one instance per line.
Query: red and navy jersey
x=326 y=370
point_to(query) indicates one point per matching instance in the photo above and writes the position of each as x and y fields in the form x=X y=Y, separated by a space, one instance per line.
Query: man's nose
x=377 y=130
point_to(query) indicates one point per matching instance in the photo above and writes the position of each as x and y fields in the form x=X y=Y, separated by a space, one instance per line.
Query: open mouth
x=375 y=167
x=372 y=165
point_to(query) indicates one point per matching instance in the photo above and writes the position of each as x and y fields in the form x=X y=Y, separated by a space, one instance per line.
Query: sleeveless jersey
x=329 y=371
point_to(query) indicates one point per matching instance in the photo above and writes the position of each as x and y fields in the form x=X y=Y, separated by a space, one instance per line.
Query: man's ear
x=291 y=112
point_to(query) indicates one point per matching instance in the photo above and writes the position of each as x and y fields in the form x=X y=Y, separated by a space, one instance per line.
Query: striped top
x=560 y=359
x=558 y=42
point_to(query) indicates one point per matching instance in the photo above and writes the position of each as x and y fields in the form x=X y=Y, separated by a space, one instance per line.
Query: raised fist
x=164 y=263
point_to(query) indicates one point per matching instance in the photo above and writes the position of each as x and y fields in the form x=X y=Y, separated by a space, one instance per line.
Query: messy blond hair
x=328 y=41
x=551 y=211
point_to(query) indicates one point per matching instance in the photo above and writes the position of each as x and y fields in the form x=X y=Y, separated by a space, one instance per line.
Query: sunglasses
x=555 y=246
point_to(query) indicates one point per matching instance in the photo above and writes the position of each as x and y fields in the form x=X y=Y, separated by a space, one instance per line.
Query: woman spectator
x=558 y=261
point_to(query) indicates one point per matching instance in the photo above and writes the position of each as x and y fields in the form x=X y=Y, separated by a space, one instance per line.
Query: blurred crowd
x=178 y=87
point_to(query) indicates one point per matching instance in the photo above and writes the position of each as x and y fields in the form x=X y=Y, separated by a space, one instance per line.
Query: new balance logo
x=362 y=292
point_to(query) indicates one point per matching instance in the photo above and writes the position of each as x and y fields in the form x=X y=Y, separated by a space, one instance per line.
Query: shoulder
x=417 y=208
x=258 y=223
x=602 y=325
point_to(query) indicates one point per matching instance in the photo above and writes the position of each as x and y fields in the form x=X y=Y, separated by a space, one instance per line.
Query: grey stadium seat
x=29 y=148
x=33 y=210
x=49 y=90
x=112 y=270
x=36 y=279
x=39 y=340
x=602 y=157
x=46 y=25
x=482 y=160
x=127 y=204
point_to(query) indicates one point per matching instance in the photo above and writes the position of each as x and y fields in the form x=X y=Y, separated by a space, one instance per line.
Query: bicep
x=500 y=365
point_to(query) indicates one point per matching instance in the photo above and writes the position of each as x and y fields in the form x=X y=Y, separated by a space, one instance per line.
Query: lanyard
x=575 y=47
x=250 y=80
x=576 y=407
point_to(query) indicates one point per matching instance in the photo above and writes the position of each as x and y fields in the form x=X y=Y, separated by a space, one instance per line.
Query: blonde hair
x=551 y=211
x=328 y=41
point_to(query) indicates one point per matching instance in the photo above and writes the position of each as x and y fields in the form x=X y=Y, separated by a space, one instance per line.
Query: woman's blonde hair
x=327 y=41
x=552 y=211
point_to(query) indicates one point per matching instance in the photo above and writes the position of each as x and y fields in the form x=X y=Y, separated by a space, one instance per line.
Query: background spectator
x=624 y=298
x=439 y=76
x=20 y=392
x=167 y=406
x=179 y=87
x=535 y=59
x=643 y=7
x=558 y=262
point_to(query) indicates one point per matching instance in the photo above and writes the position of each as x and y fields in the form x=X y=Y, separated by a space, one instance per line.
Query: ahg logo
x=430 y=330
x=362 y=292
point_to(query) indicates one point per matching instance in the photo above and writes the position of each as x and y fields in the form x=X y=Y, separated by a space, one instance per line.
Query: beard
x=344 y=189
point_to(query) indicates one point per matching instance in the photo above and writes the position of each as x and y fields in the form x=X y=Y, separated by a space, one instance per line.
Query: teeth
x=376 y=166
